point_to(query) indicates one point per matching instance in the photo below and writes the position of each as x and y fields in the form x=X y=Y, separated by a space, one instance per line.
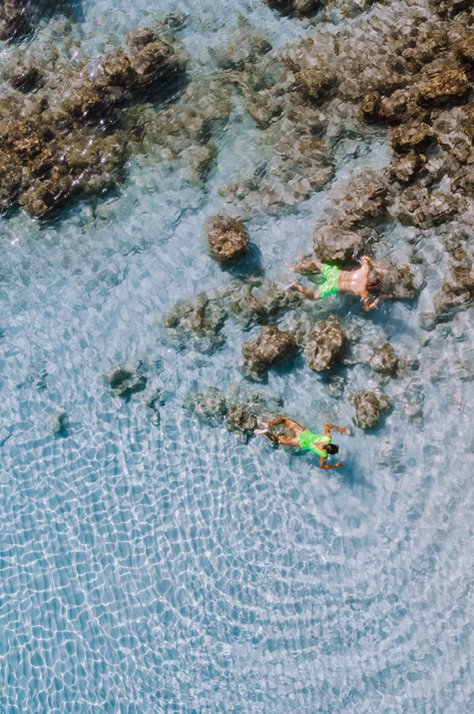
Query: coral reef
x=227 y=239
x=369 y=407
x=70 y=140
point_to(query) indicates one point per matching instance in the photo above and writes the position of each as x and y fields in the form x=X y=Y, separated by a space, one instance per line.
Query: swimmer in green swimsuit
x=320 y=444
x=334 y=280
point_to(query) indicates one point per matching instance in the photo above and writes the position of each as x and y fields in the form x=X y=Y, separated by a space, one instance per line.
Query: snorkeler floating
x=320 y=444
x=359 y=281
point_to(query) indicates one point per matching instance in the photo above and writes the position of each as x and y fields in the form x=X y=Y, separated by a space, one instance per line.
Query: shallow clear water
x=172 y=568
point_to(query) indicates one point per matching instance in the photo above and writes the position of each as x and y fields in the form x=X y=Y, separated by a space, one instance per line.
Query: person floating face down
x=359 y=281
x=320 y=444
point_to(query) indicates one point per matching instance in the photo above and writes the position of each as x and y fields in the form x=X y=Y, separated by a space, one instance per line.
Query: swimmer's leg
x=311 y=294
x=307 y=266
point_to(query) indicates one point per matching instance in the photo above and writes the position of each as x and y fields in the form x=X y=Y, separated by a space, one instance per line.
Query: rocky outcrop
x=68 y=141
x=272 y=346
x=227 y=239
x=369 y=407
x=24 y=76
x=334 y=244
x=324 y=344
x=125 y=382
x=384 y=360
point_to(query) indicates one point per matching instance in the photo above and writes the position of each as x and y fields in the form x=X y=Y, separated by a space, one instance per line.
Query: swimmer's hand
x=260 y=431
x=290 y=286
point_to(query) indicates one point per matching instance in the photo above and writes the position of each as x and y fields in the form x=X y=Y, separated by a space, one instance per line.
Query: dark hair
x=373 y=281
x=332 y=448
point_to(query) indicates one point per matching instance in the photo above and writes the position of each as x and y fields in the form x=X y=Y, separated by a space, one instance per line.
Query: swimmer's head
x=373 y=282
x=331 y=448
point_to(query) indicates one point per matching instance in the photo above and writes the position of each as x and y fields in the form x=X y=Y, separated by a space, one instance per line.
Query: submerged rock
x=227 y=239
x=125 y=382
x=295 y=7
x=384 y=359
x=368 y=408
x=457 y=289
x=324 y=344
x=398 y=282
x=60 y=424
x=59 y=143
x=257 y=301
x=335 y=244
x=270 y=347
x=24 y=76
x=14 y=20
x=209 y=406
x=201 y=320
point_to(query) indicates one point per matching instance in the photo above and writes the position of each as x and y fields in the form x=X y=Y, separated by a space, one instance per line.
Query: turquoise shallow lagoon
x=169 y=567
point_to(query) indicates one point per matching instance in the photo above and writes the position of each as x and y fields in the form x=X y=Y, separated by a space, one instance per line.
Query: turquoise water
x=170 y=567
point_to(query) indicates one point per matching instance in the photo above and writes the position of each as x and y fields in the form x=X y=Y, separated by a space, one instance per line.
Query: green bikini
x=306 y=441
x=330 y=283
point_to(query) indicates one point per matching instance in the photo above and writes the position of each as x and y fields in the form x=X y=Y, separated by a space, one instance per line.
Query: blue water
x=172 y=568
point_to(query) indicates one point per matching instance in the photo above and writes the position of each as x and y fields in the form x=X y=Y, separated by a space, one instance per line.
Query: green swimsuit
x=306 y=441
x=330 y=283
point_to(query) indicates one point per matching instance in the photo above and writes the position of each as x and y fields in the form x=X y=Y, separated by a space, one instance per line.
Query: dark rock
x=444 y=86
x=334 y=244
x=60 y=424
x=410 y=136
x=368 y=408
x=296 y=7
x=125 y=382
x=14 y=20
x=271 y=346
x=24 y=77
x=227 y=239
x=324 y=344
x=384 y=359
x=465 y=49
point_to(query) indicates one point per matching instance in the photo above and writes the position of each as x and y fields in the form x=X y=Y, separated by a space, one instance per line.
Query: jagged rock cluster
x=69 y=141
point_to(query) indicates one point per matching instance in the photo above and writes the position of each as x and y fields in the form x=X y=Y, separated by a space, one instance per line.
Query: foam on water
x=172 y=568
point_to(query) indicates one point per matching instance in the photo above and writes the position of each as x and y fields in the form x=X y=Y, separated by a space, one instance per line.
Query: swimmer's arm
x=333 y=427
x=369 y=306
x=324 y=465
x=375 y=266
